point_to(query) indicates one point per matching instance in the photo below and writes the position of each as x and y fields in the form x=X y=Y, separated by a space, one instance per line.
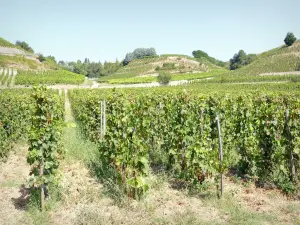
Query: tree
x=25 y=46
x=241 y=59
x=290 y=39
x=41 y=58
x=198 y=54
x=139 y=53
x=201 y=54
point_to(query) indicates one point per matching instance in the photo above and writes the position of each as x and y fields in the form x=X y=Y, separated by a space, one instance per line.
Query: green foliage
x=44 y=141
x=24 y=46
x=91 y=69
x=163 y=77
x=290 y=39
x=201 y=54
x=241 y=59
x=182 y=127
x=139 y=53
x=6 y=60
x=15 y=114
x=48 y=77
x=41 y=58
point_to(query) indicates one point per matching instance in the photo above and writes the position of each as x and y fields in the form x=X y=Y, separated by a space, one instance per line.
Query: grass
x=20 y=60
x=281 y=59
x=238 y=214
x=5 y=43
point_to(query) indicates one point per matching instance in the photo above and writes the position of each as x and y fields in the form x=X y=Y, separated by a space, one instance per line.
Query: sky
x=106 y=30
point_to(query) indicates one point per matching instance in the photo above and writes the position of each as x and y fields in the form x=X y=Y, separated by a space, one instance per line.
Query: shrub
x=41 y=58
x=290 y=39
x=163 y=78
x=169 y=65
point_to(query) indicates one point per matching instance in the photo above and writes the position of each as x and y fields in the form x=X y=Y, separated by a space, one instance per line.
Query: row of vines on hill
x=178 y=131
x=48 y=77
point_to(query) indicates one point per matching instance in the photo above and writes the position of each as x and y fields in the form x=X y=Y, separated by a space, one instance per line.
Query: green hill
x=145 y=70
x=281 y=59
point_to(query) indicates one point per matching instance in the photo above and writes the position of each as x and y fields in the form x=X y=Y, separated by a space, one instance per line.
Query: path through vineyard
x=85 y=200
x=13 y=174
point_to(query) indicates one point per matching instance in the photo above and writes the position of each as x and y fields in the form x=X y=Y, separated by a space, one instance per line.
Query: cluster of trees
x=241 y=59
x=91 y=69
x=139 y=53
x=24 y=46
x=201 y=54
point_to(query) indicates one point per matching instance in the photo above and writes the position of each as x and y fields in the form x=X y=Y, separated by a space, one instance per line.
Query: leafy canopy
x=201 y=54
x=241 y=59
x=24 y=46
x=290 y=39
x=139 y=53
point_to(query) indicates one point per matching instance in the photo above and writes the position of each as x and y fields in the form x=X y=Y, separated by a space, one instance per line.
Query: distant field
x=48 y=77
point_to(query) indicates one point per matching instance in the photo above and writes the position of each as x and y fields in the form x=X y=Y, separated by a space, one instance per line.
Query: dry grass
x=86 y=201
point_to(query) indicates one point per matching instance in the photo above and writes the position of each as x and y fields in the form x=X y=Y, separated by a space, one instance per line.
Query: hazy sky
x=106 y=30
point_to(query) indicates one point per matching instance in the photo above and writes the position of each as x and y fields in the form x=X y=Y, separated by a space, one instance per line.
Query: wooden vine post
x=220 y=154
x=102 y=119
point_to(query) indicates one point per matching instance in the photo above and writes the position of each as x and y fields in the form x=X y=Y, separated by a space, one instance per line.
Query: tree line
x=91 y=69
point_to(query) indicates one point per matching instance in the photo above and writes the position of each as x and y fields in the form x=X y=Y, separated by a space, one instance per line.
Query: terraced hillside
x=12 y=56
x=281 y=59
x=181 y=67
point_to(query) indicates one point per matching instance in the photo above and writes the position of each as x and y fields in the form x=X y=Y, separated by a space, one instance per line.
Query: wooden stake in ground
x=102 y=119
x=220 y=154
x=42 y=185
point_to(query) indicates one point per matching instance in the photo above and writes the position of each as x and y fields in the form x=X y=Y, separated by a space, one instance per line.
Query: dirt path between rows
x=13 y=174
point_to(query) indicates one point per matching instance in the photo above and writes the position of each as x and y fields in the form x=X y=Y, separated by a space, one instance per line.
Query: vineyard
x=7 y=76
x=130 y=139
x=48 y=77
x=15 y=116
x=177 y=131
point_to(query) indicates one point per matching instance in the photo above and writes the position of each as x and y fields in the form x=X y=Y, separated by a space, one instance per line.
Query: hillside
x=146 y=70
x=5 y=43
x=12 y=56
x=281 y=59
